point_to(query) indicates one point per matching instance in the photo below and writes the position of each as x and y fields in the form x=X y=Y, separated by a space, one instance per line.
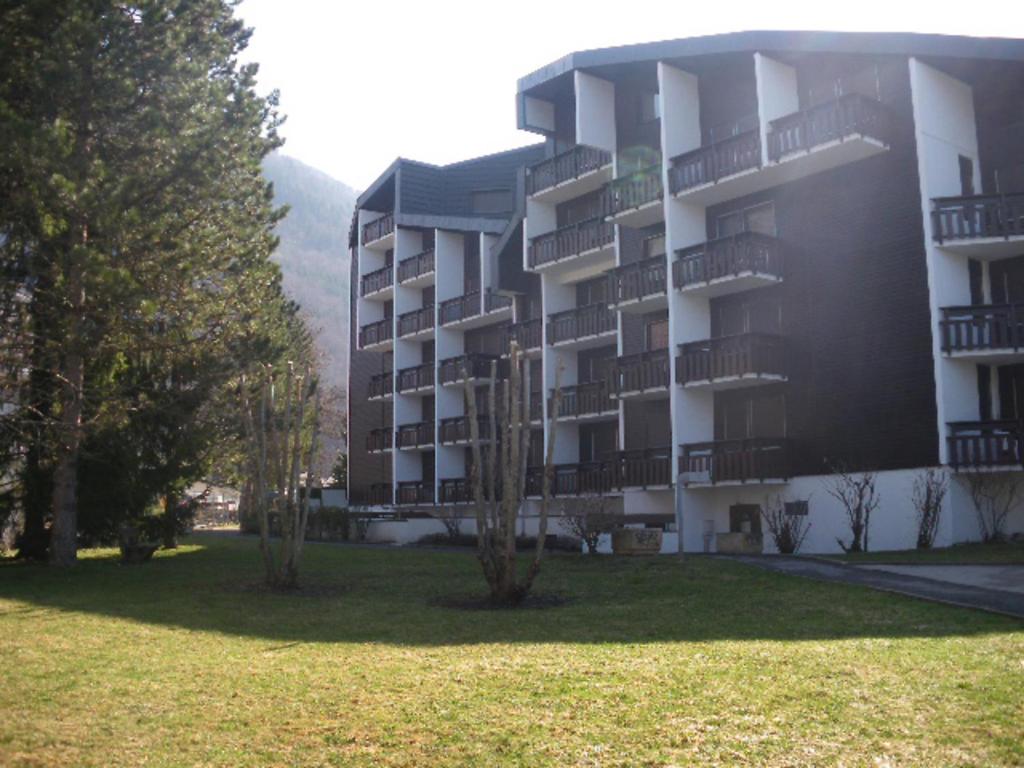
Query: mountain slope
x=313 y=253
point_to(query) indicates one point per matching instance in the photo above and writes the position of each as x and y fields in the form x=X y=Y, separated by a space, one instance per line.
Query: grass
x=651 y=662
x=1003 y=553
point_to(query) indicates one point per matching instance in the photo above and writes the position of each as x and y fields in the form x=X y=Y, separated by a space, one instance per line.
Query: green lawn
x=994 y=554
x=651 y=663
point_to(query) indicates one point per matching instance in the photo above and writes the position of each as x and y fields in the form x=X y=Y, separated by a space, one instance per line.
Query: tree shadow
x=397 y=596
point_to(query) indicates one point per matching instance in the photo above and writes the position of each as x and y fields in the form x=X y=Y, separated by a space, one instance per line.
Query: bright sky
x=435 y=80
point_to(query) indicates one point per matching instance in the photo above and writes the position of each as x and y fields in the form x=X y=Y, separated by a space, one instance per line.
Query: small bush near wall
x=324 y=524
x=786 y=522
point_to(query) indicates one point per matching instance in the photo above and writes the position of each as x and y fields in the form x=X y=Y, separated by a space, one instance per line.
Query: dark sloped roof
x=876 y=43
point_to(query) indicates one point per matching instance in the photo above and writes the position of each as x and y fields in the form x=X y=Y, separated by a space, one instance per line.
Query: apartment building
x=753 y=257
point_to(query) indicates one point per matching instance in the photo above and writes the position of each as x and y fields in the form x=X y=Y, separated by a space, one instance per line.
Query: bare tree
x=588 y=518
x=994 y=495
x=930 y=488
x=279 y=430
x=859 y=497
x=498 y=501
x=451 y=520
x=788 y=530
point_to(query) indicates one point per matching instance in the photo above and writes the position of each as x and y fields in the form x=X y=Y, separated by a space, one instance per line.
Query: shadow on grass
x=393 y=596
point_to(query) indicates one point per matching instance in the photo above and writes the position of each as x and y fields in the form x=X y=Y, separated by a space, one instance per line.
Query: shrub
x=930 y=490
x=588 y=518
x=994 y=495
x=787 y=527
x=857 y=493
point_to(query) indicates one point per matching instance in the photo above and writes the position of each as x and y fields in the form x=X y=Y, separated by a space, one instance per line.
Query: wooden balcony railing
x=725 y=357
x=983 y=327
x=477 y=366
x=564 y=167
x=650 y=467
x=455 y=491
x=494 y=302
x=527 y=334
x=580 y=323
x=641 y=373
x=590 y=399
x=592 y=477
x=416 y=266
x=375 y=333
x=416 y=377
x=570 y=241
x=736 y=461
x=380 y=494
x=712 y=162
x=380 y=439
x=378 y=228
x=415 y=492
x=457 y=429
x=849 y=115
x=727 y=257
x=417 y=320
x=381 y=385
x=985 y=444
x=377 y=280
x=978 y=216
x=636 y=281
x=415 y=435
x=633 y=191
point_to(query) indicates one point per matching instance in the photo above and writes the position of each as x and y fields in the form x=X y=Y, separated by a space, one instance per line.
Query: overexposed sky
x=363 y=82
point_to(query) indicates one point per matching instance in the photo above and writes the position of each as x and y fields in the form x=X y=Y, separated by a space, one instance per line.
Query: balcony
x=527 y=334
x=728 y=265
x=980 y=226
x=570 y=174
x=584 y=327
x=381 y=386
x=456 y=491
x=583 y=479
x=417 y=271
x=456 y=430
x=476 y=365
x=714 y=172
x=650 y=468
x=411 y=493
x=635 y=200
x=575 y=252
x=587 y=402
x=639 y=287
x=417 y=324
x=731 y=362
x=735 y=462
x=986 y=445
x=377 y=335
x=642 y=377
x=844 y=130
x=474 y=310
x=417 y=380
x=379 y=440
x=991 y=333
x=380 y=233
x=415 y=436
x=380 y=495
x=378 y=284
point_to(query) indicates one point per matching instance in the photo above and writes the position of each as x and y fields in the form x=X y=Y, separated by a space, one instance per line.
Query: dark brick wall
x=855 y=306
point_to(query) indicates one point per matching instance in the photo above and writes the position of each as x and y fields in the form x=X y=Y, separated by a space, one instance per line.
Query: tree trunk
x=170 y=523
x=63 y=541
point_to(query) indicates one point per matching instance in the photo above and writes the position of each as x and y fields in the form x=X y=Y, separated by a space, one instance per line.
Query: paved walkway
x=1004 y=578
x=961 y=585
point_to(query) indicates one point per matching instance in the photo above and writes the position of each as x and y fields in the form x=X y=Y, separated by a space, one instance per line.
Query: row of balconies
x=831 y=123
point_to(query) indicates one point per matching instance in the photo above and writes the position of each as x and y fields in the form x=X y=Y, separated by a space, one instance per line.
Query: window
x=796 y=508
x=758 y=218
x=657 y=334
x=492 y=201
x=650 y=106
x=654 y=246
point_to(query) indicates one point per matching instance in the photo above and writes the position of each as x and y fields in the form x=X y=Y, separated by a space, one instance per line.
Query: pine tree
x=133 y=199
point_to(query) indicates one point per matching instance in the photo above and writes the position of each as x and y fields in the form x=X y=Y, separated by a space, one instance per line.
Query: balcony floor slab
x=419 y=281
x=1006 y=356
x=571 y=188
x=656 y=393
x=986 y=248
x=736 y=382
x=479 y=321
x=652 y=303
x=382 y=243
x=588 y=342
x=723 y=286
x=641 y=216
x=384 y=294
x=580 y=266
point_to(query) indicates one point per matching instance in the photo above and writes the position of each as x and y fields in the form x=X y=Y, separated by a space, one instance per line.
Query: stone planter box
x=739 y=543
x=636 y=541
